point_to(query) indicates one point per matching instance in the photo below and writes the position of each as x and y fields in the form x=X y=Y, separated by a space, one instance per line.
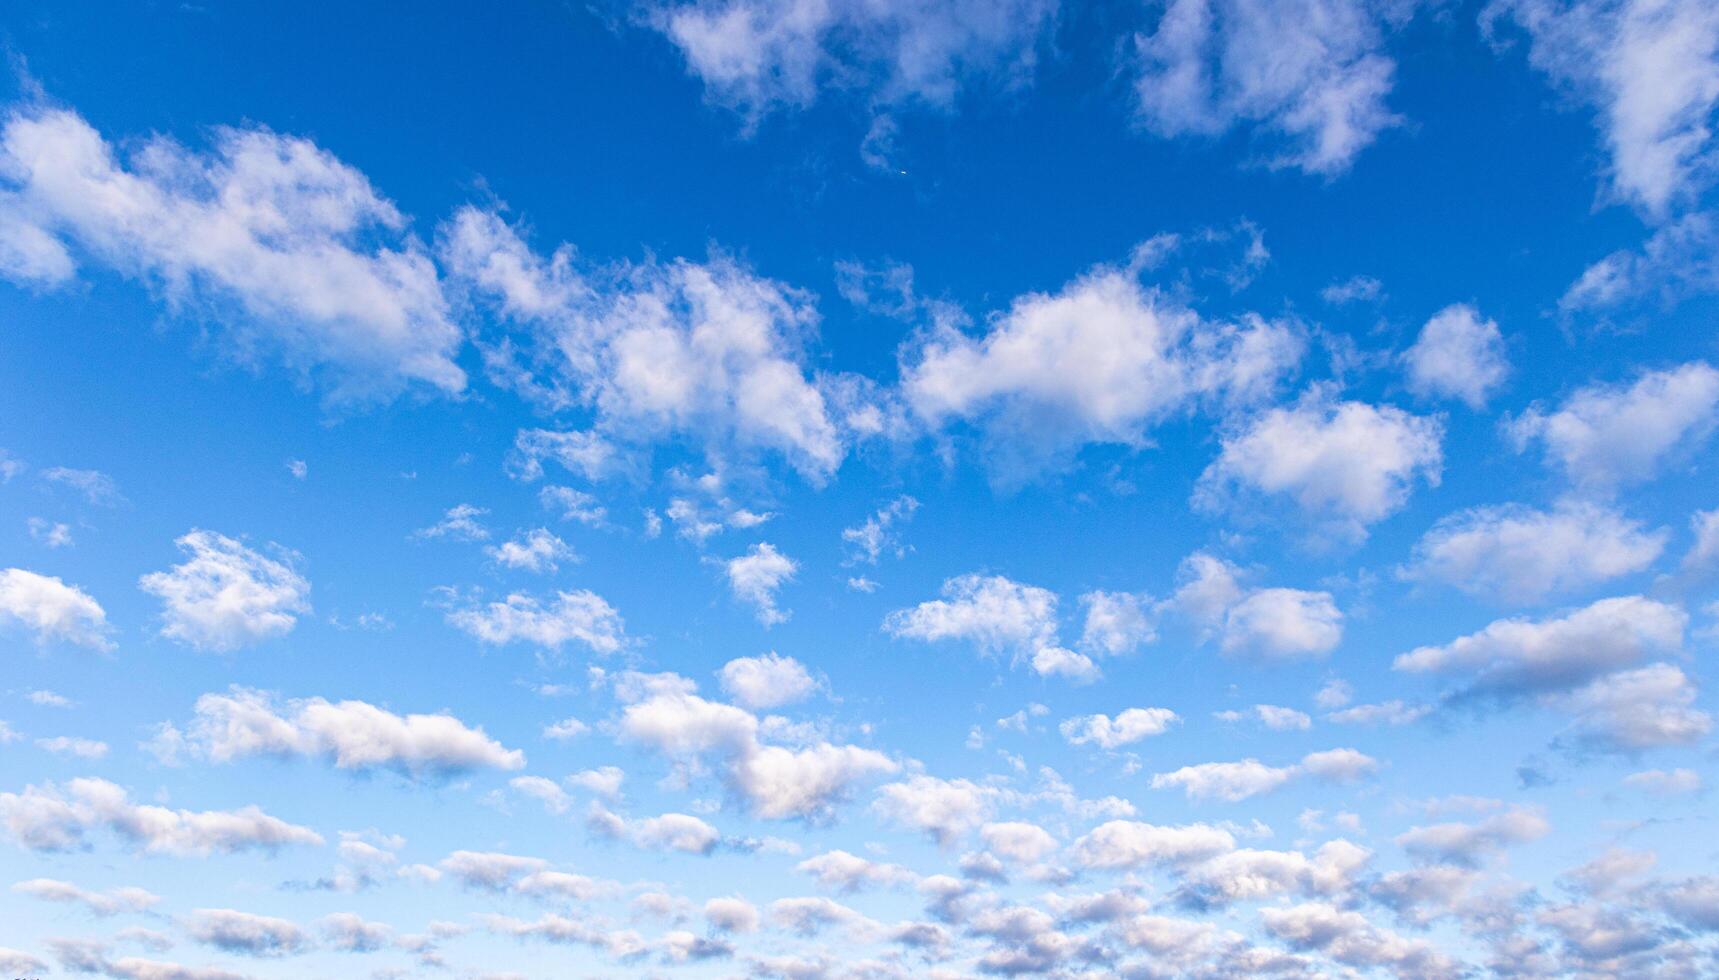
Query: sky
x=822 y=488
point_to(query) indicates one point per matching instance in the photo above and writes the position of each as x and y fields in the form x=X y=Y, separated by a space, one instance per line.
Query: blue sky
x=787 y=489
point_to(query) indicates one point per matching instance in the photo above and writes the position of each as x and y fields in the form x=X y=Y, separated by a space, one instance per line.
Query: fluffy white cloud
x=1349 y=938
x=536 y=550
x=997 y=615
x=731 y=914
x=756 y=576
x=51 y=610
x=1312 y=71
x=758 y=55
x=1100 y=361
x=1117 y=623
x=1511 y=657
x=1458 y=355
x=1466 y=843
x=105 y=903
x=676 y=832
x=1348 y=462
x=1608 y=436
x=946 y=809
x=1018 y=841
x=1651 y=69
x=1270 y=623
x=1639 y=709
x=490 y=870
x=580 y=615
x=1129 y=726
x=244 y=932
x=678 y=350
x=840 y=871
x=288 y=248
x=1283 y=623
x=225 y=596
x=1236 y=781
x=353 y=734
x=770 y=681
x=1128 y=844
x=774 y=782
x=55 y=818
x=1521 y=555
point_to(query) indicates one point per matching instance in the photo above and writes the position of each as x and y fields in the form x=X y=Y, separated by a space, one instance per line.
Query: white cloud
x=1129 y=726
x=1355 y=289
x=996 y=615
x=55 y=818
x=537 y=550
x=1055 y=661
x=291 y=250
x=877 y=533
x=573 y=505
x=1393 y=712
x=489 y=870
x=1018 y=841
x=1608 y=436
x=1651 y=68
x=1678 y=260
x=1638 y=709
x=1121 y=844
x=459 y=523
x=1704 y=553
x=1349 y=938
x=770 y=681
x=1282 y=624
x=225 y=595
x=51 y=534
x=756 y=576
x=1117 y=623
x=946 y=809
x=51 y=610
x=243 y=932
x=1520 y=555
x=676 y=832
x=1465 y=843
x=1270 y=623
x=755 y=56
x=1458 y=355
x=96 y=487
x=83 y=748
x=1347 y=462
x=1313 y=72
x=1274 y=717
x=565 y=728
x=1676 y=782
x=731 y=914
x=605 y=781
x=105 y=903
x=840 y=871
x=349 y=932
x=1102 y=360
x=353 y=734
x=678 y=350
x=580 y=615
x=773 y=781
x=1236 y=781
x=1519 y=656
